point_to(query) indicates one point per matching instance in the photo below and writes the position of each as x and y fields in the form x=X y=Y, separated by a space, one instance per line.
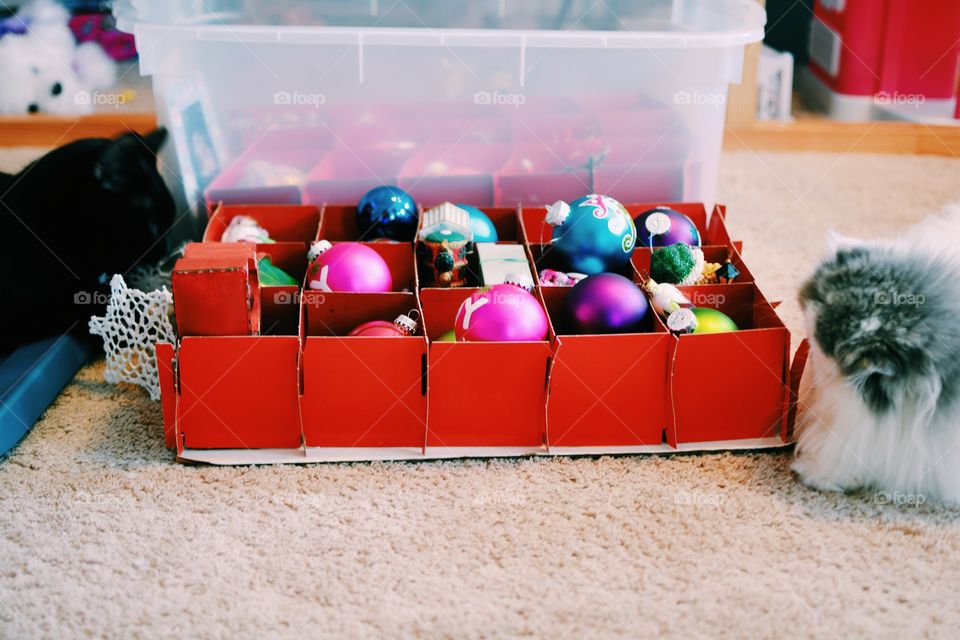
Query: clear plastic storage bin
x=486 y=102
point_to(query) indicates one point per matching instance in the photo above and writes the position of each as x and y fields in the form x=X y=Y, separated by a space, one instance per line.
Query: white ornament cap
x=406 y=323
x=682 y=321
x=525 y=282
x=557 y=213
x=317 y=248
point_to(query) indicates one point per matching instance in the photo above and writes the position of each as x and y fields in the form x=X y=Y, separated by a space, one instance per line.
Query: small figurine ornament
x=480 y=224
x=727 y=273
x=663 y=226
x=387 y=212
x=592 y=234
x=245 y=229
x=682 y=264
x=604 y=303
x=404 y=325
x=347 y=266
x=444 y=242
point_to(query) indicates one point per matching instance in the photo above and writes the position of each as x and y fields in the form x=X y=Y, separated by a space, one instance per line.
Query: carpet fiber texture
x=101 y=533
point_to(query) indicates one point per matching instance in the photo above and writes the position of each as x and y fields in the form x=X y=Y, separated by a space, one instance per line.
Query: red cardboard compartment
x=606 y=390
x=285 y=223
x=736 y=385
x=481 y=394
x=238 y=392
x=711 y=253
x=361 y=391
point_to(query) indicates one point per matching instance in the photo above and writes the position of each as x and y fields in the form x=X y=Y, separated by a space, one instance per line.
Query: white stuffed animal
x=43 y=69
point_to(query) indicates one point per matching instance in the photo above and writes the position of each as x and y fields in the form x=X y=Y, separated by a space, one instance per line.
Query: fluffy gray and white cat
x=883 y=318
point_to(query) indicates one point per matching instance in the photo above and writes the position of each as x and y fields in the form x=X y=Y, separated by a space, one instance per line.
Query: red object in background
x=100 y=28
x=876 y=47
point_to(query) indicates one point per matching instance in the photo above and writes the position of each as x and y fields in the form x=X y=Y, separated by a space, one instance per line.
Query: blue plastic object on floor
x=31 y=378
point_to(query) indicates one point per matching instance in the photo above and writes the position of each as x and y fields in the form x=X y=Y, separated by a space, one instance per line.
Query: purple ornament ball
x=604 y=303
x=662 y=227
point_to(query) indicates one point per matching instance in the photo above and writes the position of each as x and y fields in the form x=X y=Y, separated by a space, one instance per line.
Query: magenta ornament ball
x=350 y=266
x=604 y=303
x=503 y=312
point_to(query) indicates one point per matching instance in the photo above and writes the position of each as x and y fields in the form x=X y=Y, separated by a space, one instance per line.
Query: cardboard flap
x=796 y=374
x=166 y=364
x=670 y=399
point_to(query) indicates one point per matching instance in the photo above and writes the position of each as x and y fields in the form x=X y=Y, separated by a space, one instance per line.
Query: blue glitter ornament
x=592 y=234
x=387 y=212
x=480 y=224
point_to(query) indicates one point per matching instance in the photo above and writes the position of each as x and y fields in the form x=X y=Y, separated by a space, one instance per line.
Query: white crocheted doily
x=134 y=323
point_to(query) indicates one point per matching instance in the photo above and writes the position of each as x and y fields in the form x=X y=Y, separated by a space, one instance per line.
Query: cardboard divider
x=606 y=390
x=711 y=253
x=280 y=311
x=239 y=393
x=400 y=260
x=285 y=223
x=481 y=394
x=361 y=391
x=712 y=375
x=339 y=224
x=166 y=373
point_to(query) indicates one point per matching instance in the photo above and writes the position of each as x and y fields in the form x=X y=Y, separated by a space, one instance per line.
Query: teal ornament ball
x=480 y=224
x=592 y=234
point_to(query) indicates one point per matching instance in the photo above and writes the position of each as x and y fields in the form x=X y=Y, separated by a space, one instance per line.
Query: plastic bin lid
x=531 y=23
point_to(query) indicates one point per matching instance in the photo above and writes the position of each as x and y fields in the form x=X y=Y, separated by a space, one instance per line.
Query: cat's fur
x=884 y=323
x=69 y=221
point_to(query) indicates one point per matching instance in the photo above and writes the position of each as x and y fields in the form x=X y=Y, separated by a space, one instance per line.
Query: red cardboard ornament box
x=265 y=374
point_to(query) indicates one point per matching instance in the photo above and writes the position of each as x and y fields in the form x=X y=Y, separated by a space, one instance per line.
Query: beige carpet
x=103 y=535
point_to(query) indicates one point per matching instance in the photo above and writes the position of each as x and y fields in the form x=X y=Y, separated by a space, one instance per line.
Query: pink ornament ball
x=377 y=329
x=503 y=312
x=348 y=266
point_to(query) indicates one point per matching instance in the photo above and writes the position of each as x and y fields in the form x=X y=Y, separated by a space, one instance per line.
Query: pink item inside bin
x=342 y=177
x=464 y=131
x=272 y=171
x=461 y=173
x=535 y=175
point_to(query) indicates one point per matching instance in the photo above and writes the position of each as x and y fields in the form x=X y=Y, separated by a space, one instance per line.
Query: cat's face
x=142 y=210
x=862 y=313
